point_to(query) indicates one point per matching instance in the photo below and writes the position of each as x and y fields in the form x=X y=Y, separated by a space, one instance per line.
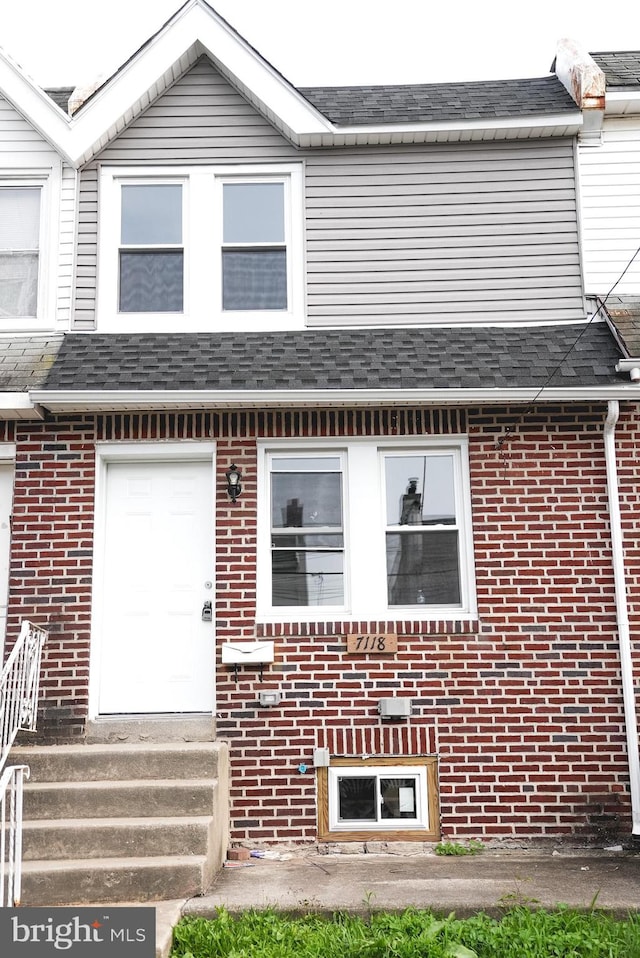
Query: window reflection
x=423 y=554
x=308 y=564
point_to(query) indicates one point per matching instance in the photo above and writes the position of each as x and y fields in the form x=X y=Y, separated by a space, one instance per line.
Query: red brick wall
x=524 y=705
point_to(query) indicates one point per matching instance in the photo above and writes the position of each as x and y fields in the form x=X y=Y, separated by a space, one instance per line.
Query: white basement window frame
x=394 y=798
x=200 y=247
x=356 y=551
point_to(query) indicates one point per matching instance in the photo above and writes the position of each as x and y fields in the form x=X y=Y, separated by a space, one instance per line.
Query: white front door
x=156 y=652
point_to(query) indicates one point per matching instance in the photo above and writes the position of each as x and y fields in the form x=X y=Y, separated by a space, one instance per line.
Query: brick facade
x=523 y=707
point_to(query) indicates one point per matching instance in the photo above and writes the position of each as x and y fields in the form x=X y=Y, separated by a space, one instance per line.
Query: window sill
x=200 y=321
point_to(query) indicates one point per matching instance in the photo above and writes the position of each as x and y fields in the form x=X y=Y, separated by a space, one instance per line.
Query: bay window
x=367 y=529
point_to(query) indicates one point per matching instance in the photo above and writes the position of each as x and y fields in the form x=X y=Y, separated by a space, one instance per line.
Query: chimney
x=582 y=77
x=82 y=93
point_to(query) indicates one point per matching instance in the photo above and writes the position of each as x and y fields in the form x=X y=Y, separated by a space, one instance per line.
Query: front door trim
x=110 y=452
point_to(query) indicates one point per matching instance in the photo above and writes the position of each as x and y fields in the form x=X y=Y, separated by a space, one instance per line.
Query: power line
x=508 y=431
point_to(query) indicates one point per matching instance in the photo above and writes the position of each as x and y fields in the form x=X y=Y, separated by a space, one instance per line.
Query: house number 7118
x=372 y=643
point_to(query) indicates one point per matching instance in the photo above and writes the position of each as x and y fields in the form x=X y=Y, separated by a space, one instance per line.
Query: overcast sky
x=331 y=42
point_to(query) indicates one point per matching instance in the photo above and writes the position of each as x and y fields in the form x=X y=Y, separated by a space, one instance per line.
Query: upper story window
x=151 y=269
x=19 y=251
x=369 y=529
x=36 y=250
x=200 y=249
x=254 y=249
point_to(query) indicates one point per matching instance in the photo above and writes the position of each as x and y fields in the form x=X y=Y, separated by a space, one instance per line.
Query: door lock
x=207 y=612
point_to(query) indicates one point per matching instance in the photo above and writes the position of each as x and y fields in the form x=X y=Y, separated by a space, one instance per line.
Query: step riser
x=88 y=764
x=88 y=839
x=49 y=843
x=118 y=802
x=128 y=883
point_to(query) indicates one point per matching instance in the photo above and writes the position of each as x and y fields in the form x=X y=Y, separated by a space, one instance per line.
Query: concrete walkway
x=308 y=881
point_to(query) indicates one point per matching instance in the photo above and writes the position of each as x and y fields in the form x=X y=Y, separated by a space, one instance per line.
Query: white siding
x=67 y=247
x=473 y=232
x=23 y=149
x=610 y=207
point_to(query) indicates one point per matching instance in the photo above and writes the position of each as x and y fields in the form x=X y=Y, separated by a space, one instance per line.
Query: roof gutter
x=75 y=400
x=19 y=406
x=622 y=613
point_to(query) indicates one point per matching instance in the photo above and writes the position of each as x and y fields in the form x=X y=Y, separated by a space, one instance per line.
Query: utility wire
x=603 y=302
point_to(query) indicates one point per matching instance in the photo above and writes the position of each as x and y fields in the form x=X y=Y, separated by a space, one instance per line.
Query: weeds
x=520 y=933
x=474 y=847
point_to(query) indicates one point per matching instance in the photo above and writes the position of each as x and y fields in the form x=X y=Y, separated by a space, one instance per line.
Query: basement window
x=394 y=798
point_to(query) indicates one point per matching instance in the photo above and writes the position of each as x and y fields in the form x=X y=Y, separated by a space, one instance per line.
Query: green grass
x=520 y=933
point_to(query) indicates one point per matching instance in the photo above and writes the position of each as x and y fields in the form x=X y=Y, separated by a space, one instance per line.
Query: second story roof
x=436 y=102
x=621 y=69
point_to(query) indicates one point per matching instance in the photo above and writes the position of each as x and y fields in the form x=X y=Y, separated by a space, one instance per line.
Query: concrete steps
x=107 y=823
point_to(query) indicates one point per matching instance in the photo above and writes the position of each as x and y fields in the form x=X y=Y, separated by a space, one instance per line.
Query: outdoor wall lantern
x=234 y=486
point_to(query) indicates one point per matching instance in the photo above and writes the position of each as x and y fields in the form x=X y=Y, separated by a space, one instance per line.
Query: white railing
x=19 y=690
x=20 y=687
x=11 y=781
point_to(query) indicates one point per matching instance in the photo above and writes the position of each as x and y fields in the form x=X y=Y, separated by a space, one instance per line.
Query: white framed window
x=377 y=797
x=151 y=255
x=29 y=241
x=19 y=250
x=364 y=529
x=388 y=797
x=201 y=249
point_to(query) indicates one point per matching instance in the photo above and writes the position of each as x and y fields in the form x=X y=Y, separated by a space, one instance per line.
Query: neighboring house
x=37 y=237
x=367 y=306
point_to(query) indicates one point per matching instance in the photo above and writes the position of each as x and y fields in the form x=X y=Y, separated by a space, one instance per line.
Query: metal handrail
x=11 y=791
x=20 y=687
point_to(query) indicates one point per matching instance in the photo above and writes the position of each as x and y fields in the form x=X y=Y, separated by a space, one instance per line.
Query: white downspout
x=622 y=612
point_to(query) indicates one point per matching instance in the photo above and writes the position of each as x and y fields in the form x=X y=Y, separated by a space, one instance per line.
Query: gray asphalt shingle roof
x=408 y=358
x=433 y=102
x=26 y=360
x=624 y=314
x=621 y=68
x=61 y=95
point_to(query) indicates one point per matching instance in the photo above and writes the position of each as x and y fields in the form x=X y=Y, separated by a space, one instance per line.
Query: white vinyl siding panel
x=23 y=150
x=85 y=293
x=610 y=193
x=474 y=233
x=199 y=119
x=67 y=247
x=20 y=143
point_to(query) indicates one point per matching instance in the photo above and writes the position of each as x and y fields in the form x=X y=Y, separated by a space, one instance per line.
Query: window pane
x=420 y=490
x=254 y=279
x=325 y=540
x=306 y=499
x=423 y=568
x=306 y=578
x=306 y=464
x=18 y=285
x=19 y=218
x=152 y=214
x=399 y=798
x=253 y=213
x=151 y=282
x=357 y=799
